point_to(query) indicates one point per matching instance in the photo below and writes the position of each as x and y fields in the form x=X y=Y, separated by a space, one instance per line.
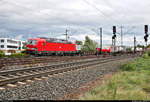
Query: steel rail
x=33 y=60
x=46 y=66
x=31 y=74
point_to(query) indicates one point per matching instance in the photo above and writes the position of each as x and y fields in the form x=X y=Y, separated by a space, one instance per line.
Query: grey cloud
x=31 y=18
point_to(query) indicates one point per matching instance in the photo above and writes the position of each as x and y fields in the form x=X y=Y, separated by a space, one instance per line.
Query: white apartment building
x=11 y=45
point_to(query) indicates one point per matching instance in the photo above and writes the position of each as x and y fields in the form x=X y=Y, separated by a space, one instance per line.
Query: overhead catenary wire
x=103 y=14
x=100 y=11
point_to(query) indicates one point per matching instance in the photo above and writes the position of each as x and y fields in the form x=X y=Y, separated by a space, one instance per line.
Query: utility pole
x=66 y=34
x=146 y=34
x=100 y=40
x=134 y=44
x=121 y=36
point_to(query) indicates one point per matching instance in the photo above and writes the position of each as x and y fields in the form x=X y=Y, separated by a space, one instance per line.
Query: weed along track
x=12 y=79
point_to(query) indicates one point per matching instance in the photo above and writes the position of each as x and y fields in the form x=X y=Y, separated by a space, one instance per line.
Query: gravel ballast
x=57 y=86
x=38 y=65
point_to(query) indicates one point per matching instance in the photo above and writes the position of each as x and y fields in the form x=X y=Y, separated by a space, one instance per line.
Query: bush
x=2 y=54
x=139 y=64
x=145 y=55
x=127 y=67
x=148 y=52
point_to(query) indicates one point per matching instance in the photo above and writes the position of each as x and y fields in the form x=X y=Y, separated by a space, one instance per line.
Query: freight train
x=53 y=46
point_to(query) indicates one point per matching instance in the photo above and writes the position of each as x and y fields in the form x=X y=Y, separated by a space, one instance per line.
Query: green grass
x=14 y=55
x=131 y=82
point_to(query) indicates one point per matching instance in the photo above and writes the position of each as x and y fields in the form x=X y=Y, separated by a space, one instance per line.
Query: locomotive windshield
x=31 y=42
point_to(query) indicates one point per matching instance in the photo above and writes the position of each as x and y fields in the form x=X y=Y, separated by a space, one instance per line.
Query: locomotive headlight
x=34 y=48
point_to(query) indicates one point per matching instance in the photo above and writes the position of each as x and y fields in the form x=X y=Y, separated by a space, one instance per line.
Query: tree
x=78 y=42
x=128 y=49
x=148 y=46
x=89 y=45
x=24 y=45
x=140 y=46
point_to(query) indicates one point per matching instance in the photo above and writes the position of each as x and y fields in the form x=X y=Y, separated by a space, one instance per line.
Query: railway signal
x=146 y=33
x=114 y=32
x=114 y=37
x=146 y=29
x=114 y=29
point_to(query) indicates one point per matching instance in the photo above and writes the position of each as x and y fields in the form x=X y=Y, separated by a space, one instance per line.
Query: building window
x=11 y=41
x=8 y=46
x=2 y=41
x=2 y=46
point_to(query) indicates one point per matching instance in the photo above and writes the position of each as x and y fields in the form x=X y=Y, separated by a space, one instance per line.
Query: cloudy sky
x=23 y=19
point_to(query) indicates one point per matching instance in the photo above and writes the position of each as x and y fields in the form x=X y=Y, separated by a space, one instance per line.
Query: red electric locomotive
x=50 y=46
x=53 y=46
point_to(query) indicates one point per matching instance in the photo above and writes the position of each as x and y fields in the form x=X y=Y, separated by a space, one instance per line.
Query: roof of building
x=13 y=39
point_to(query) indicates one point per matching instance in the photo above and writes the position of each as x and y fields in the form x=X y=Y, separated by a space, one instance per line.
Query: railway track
x=37 y=60
x=21 y=75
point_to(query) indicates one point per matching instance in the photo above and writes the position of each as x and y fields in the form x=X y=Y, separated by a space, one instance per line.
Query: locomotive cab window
x=43 y=43
x=31 y=42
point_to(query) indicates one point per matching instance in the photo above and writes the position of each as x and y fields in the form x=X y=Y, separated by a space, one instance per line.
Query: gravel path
x=57 y=86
